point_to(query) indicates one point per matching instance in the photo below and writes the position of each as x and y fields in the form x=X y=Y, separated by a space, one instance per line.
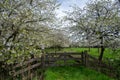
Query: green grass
x=94 y=51
x=79 y=73
x=74 y=73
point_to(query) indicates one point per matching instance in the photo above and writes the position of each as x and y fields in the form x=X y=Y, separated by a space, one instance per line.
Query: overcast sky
x=65 y=5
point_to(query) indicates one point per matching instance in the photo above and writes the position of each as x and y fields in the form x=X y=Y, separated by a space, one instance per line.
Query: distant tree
x=59 y=39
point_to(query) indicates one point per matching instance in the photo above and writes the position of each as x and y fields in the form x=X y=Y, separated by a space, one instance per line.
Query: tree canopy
x=24 y=25
x=98 y=23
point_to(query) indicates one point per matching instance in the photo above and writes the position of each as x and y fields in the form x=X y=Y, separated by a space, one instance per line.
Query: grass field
x=74 y=73
x=93 y=51
x=79 y=73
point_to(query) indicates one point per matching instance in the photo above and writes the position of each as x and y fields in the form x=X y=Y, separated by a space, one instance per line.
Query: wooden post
x=29 y=72
x=43 y=65
x=86 y=58
x=82 y=56
x=64 y=57
x=42 y=62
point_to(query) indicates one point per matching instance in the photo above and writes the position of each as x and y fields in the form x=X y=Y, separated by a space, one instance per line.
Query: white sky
x=65 y=6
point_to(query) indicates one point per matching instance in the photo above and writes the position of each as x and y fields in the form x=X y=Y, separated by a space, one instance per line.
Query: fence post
x=64 y=57
x=82 y=56
x=42 y=66
x=86 y=58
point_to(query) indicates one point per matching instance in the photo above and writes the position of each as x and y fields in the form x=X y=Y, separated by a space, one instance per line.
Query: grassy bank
x=74 y=73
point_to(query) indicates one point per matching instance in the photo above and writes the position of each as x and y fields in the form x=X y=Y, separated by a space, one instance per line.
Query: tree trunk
x=101 y=53
x=102 y=49
x=89 y=46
